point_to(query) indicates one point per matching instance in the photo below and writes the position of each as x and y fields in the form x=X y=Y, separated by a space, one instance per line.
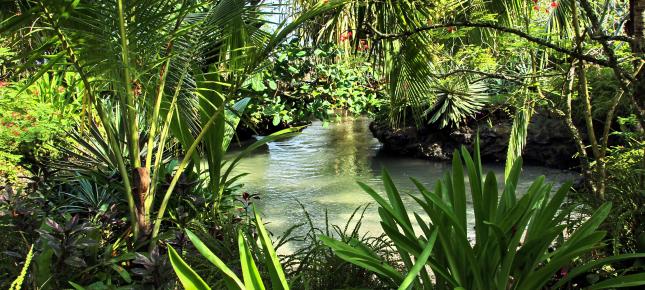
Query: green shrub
x=30 y=122
x=312 y=265
x=625 y=189
x=251 y=277
x=312 y=82
x=519 y=243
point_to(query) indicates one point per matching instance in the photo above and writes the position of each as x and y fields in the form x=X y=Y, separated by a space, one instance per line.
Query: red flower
x=554 y=4
x=536 y=8
x=535 y=1
x=349 y=34
x=3 y=83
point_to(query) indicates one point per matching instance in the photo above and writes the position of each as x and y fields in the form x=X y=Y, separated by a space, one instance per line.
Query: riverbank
x=319 y=169
x=548 y=142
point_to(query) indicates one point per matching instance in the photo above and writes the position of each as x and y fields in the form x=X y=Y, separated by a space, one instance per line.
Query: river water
x=320 y=167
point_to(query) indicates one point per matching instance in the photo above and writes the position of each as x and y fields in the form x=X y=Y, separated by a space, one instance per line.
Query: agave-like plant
x=455 y=101
x=251 y=278
x=519 y=243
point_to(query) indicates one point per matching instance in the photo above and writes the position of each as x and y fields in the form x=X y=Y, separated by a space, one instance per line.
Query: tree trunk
x=140 y=185
x=637 y=30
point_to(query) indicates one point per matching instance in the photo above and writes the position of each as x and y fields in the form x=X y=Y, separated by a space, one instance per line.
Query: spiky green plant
x=251 y=278
x=519 y=242
x=456 y=100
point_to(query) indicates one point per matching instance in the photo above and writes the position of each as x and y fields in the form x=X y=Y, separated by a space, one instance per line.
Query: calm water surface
x=320 y=168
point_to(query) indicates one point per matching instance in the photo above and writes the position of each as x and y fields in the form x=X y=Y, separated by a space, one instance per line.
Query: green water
x=320 y=168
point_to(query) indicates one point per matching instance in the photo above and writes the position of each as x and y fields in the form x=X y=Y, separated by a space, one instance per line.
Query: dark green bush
x=304 y=83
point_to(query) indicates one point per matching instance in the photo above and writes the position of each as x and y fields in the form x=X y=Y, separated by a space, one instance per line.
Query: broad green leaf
x=273 y=85
x=459 y=189
x=76 y=286
x=187 y=276
x=232 y=120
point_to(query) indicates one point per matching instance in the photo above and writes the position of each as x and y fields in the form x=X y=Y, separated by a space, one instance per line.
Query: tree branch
x=622 y=38
x=524 y=35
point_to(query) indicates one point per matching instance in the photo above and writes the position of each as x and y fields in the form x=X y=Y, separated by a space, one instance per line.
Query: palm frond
x=456 y=101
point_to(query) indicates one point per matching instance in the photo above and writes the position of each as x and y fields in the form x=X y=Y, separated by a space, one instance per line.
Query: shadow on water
x=320 y=167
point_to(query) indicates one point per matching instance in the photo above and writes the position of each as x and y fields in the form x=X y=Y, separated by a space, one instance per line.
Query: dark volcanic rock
x=245 y=131
x=548 y=142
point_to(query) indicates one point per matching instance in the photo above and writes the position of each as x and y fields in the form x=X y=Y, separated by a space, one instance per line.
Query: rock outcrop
x=548 y=142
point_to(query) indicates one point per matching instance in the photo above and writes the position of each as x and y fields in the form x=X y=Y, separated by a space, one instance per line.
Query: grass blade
x=252 y=278
x=278 y=279
x=419 y=263
x=231 y=278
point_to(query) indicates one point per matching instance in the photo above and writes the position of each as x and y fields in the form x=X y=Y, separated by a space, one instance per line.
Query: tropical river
x=320 y=167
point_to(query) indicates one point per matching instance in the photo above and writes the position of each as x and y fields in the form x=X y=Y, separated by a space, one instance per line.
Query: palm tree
x=156 y=73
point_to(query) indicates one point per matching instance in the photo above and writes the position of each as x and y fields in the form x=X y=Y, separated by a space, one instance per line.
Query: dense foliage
x=33 y=123
x=303 y=83
x=116 y=117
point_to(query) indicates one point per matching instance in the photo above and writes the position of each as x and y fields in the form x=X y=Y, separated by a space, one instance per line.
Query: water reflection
x=320 y=168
